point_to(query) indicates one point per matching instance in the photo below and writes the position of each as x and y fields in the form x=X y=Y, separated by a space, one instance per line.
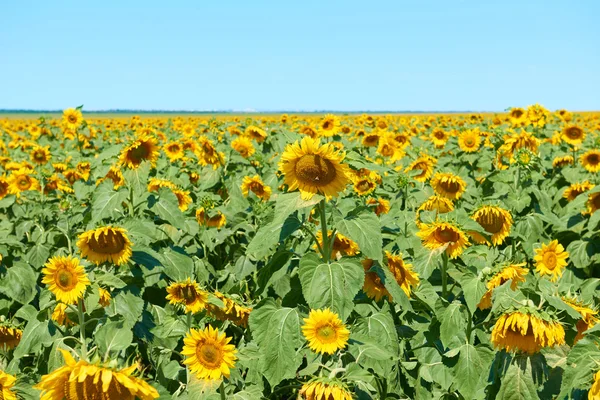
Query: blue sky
x=301 y=55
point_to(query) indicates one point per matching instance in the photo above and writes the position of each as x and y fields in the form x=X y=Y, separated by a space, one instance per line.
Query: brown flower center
x=491 y=223
x=65 y=279
x=446 y=235
x=450 y=187
x=315 y=170
x=209 y=355
x=593 y=159
x=107 y=243
x=327 y=125
x=140 y=153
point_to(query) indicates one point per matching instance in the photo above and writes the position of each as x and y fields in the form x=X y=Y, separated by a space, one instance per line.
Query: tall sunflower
x=324 y=389
x=591 y=160
x=329 y=125
x=576 y=189
x=469 y=140
x=325 y=331
x=573 y=135
x=255 y=185
x=187 y=294
x=526 y=331
x=439 y=137
x=66 y=278
x=496 y=221
x=21 y=181
x=513 y=272
x=78 y=380
x=437 y=234
x=243 y=146
x=403 y=272
x=313 y=168
x=517 y=116
x=174 y=151
x=72 y=118
x=424 y=164
x=448 y=185
x=144 y=148
x=551 y=259
x=7 y=382
x=208 y=353
x=105 y=244
x=40 y=155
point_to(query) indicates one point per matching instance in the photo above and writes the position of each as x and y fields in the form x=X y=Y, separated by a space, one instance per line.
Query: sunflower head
x=551 y=259
x=106 y=244
x=438 y=234
x=329 y=125
x=10 y=335
x=512 y=272
x=448 y=185
x=40 y=155
x=593 y=203
x=144 y=148
x=380 y=205
x=424 y=166
x=576 y=189
x=208 y=353
x=7 y=382
x=469 y=140
x=496 y=221
x=591 y=160
x=72 y=118
x=65 y=278
x=403 y=272
x=325 y=331
x=188 y=295
x=373 y=286
x=256 y=133
x=21 y=181
x=342 y=245
x=210 y=219
x=573 y=135
x=323 y=388
x=231 y=310
x=562 y=161
x=255 y=185
x=243 y=146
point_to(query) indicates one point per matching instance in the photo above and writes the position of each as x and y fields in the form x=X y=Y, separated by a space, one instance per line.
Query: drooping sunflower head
x=65 y=278
x=308 y=130
x=441 y=205
x=381 y=205
x=83 y=380
x=144 y=148
x=576 y=189
x=256 y=133
x=208 y=154
x=562 y=161
x=512 y=272
x=469 y=140
x=243 y=146
x=448 y=185
x=72 y=118
x=231 y=311
x=526 y=331
x=325 y=331
x=573 y=135
x=10 y=335
x=4 y=187
x=40 y=155
x=7 y=382
x=591 y=160
x=594 y=393
x=403 y=272
x=105 y=297
x=60 y=316
x=187 y=294
x=424 y=165
x=342 y=245
x=255 y=185
x=373 y=286
x=313 y=169
x=214 y=220
x=593 y=203
x=588 y=315
x=105 y=244
x=496 y=221
x=551 y=259
x=208 y=353
x=371 y=139
x=324 y=389
x=439 y=234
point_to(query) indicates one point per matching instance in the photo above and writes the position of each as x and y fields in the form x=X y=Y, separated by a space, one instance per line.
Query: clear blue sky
x=284 y=55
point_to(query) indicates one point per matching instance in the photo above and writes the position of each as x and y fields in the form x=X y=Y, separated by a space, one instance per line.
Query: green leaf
x=332 y=285
x=107 y=202
x=113 y=336
x=137 y=178
x=517 y=383
x=167 y=208
x=38 y=255
x=365 y=230
x=177 y=266
x=472 y=369
x=578 y=253
x=380 y=328
x=127 y=306
x=453 y=323
x=35 y=335
x=473 y=290
x=19 y=283
x=277 y=332
x=582 y=363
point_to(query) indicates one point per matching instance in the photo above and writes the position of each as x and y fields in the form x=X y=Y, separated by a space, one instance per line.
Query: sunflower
x=174 y=151
x=448 y=185
x=324 y=389
x=115 y=175
x=594 y=393
x=144 y=148
x=373 y=287
x=187 y=294
x=513 y=272
x=105 y=244
x=40 y=155
x=208 y=353
x=308 y=131
x=562 y=161
x=363 y=184
x=4 y=187
x=469 y=140
x=591 y=160
x=371 y=139
x=243 y=146
x=231 y=311
x=217 y=220
x=382 y=206
x=325 y=332
x=66 y=278
x=524 y=331
x=537 y=115
x=389 y=148
x=573 y=135
x=10 y=336
x=82 y=380
x=59 y=315
x=576 y=189
x=256 y=133
x=496 y=221
x=72 y=118
x=404 y=274
x=439 y=204
x=313 y=169
x=593 y=203
x=551 y=259
x=255 y=185
x=439 y=137
x=329 y=125
x=425 y=165
x=7 y=381
x=105 y=297
x=440 y=234
x=207 y=153
x=588 y=316
x=517 y=116
x=21 y=181
x=54 y=182
x=342 y=245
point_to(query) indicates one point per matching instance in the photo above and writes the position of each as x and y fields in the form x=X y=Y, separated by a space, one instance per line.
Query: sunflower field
x=318 y=257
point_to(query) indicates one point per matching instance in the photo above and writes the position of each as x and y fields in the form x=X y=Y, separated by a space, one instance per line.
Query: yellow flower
x=72 y=118
x=105 y=244
x=78 y=380
x=594 y=393
x=208 y=353
x=591 y=160
x=174 y=151
x=325 y=332
x=144 y=148
x=313 y=169
x=382 y=206
x=105 y=297
x=342 y=245
x=562 y=161
x=256 y=133
x=537 y=115
x=255 y=185
x=443 y=234
x=324 y=389
x=66 y=278
x=588 y=316
x=424 y=164
x=21 y=180
x=329 y=125
x=373 y=287
x=448 y=185
x=517 y=117
x=496 y=221
x=524 y=332
x=469 y=140
x=40 y=155
x=4 y=187
x=231 y=311
x=9 y=337
x=404 y=274
x=60 y=315
x=573 y=135
x=439 y=137
x=187 y=294
x=593 y=203
x=243 y=146
x=207 y=153
x=439 y=204
x=364 y=184
x=576 y=189
x=514 y=272
x=7 y=382
x=217 y=220
x=551 y=259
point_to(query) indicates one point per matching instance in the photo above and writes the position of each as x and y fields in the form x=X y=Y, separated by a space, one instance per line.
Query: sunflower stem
x=189 y=327
x=444 y=274
x=131 y=208
x=324 y=231
x=222 y=390
x=82 y=329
